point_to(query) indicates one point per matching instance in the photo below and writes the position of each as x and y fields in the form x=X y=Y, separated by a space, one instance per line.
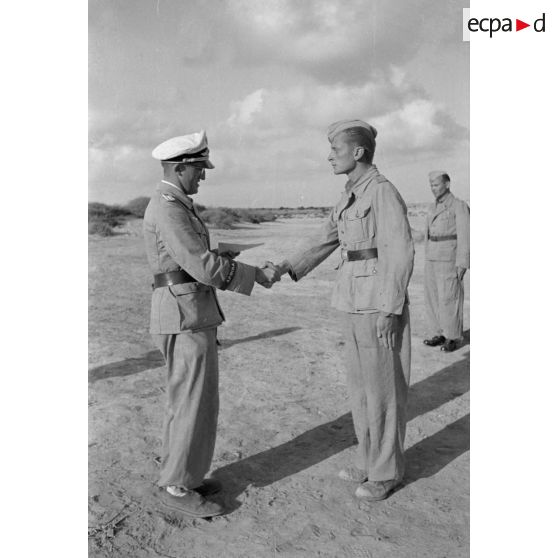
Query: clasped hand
x=268 y=274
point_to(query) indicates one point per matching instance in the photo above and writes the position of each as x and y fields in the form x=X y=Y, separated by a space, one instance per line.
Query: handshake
x=270 y=273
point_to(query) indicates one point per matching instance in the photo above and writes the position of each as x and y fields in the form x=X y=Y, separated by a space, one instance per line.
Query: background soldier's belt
x=442 y=237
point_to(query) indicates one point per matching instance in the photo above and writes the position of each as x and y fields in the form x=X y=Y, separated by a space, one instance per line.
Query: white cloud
x=244 y=111
x=390 y=104
x=337 y=40
x=283 y=130
x=324 y=38
x=284 y=68
x=413 y=127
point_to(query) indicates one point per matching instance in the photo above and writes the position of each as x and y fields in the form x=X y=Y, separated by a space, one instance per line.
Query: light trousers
x=190 y=425
x=378 y=382
x=443 y=299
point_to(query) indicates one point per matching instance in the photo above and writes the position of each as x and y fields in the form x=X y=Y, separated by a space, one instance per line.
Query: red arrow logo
x=519 y=25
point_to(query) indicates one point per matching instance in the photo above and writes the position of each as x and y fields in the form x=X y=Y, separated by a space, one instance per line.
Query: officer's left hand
x=386 y=330
x=460 y=272
x=229 y=254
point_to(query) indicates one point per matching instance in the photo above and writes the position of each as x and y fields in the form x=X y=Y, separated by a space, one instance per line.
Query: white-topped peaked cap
x=339 y=126
x=191 y=148
x=432 y=175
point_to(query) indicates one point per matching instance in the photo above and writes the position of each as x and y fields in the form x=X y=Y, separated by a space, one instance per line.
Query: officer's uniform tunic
x=447 y=247
x=371 y=214
x=184 y=320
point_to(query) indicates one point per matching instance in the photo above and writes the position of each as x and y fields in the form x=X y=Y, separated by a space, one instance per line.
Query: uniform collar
x=356 y=187
x=166 y=187
x=446 y=201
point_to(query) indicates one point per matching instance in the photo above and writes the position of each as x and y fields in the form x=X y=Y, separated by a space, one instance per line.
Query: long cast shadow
x=154 y=359
x=226 y=343
x=328 y=439
x=127 y=367
x=432 y=454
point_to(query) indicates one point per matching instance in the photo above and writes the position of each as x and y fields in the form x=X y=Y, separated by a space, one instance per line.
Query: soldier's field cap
x=433 y=175
x=336 y=127
x=191 y=148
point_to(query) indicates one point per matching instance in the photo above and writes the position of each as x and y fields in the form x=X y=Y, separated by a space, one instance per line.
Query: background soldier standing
x=370 y=224
x=447 y=260
x=185 y=314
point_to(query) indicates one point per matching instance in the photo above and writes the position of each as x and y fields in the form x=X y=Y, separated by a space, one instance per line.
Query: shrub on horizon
x=102 y=228
x=137 y=206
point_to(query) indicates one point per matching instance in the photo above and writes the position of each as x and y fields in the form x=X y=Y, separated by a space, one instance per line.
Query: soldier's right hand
x=386 y=327
x=266 y=277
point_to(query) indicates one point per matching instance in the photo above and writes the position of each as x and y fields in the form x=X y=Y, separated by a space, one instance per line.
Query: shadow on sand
x=154 y=359
x=425 y=458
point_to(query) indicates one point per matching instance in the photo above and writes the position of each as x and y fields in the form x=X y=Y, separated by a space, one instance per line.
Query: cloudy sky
x=265 y=78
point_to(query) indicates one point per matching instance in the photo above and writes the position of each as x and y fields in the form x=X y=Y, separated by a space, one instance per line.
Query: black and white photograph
x=279 y=268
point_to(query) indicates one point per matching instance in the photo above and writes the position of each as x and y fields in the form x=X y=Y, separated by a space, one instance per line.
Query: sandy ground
x=284 y=426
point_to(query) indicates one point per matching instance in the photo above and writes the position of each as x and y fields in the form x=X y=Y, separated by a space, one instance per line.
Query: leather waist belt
x=354 y=255
x=172 y=278
x=442 y=237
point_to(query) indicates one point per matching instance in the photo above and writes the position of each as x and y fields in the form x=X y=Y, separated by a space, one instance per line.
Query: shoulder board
x=168 y=197
x=381 y=178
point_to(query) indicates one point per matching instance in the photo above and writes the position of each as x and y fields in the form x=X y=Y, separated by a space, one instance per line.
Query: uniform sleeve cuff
x=243 y=280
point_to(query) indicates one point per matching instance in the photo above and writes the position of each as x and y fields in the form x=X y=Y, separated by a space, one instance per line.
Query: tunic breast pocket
x=359 y=224
x=444 y=223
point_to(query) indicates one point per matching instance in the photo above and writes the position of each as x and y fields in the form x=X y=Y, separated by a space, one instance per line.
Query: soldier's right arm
x=187 y=248
x=305 y=260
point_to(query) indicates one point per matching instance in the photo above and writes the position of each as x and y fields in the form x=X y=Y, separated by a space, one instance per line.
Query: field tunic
x=177 y=238
x=448 y=217
x=184 y=320
x=371 y=214
x=443 y=291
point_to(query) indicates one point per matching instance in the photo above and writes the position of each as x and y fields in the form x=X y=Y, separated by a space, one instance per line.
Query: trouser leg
x=190 y=425
x=431 y=302
x=378 y=381
x=451 y=301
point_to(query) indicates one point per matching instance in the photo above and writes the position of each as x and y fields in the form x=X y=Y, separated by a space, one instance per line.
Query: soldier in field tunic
x=447 y=260
x=370 y=225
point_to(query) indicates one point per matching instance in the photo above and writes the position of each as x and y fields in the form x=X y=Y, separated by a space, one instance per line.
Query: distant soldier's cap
x=432 y=175
x=341 y=125
x=191 y=148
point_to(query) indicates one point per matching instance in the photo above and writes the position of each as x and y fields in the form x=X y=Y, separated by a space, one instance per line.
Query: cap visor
x=209 y=164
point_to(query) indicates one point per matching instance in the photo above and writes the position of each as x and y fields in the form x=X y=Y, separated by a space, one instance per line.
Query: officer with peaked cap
x=447 y=260
x=185 y=314
x=370 y=225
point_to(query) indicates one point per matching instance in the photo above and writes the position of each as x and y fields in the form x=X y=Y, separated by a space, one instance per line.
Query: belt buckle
x=344 y=255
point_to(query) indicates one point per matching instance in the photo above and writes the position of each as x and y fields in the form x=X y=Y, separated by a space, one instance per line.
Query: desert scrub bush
x=137 y=206
x=226 y=217
x=101 y=228
x=219 y=217
x=254 y=215
x=103 y=217
x=266 y=215
x=101 y=211
x=245 y=215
